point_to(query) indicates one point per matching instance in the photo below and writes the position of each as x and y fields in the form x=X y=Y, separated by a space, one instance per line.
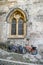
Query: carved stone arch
x=16 y=11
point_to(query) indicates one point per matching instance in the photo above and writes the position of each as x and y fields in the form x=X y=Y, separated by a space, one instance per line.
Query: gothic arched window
x=17 y=26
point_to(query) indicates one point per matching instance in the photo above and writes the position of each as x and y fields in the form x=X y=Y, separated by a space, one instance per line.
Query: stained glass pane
x=13 y=29
x=20 y=27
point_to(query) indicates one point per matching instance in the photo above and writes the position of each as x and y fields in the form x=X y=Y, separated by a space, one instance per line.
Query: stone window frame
x=22 y=16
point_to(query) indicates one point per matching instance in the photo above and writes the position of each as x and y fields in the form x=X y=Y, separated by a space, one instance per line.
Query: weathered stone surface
x=34 y=13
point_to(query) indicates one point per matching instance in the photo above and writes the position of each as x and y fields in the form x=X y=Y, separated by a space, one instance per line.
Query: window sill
x=16 y=36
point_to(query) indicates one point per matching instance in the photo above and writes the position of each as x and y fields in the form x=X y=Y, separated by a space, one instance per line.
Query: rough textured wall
x=34 y=12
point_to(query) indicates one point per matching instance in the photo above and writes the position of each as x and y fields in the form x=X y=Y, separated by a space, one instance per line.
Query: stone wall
x=34 y=12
